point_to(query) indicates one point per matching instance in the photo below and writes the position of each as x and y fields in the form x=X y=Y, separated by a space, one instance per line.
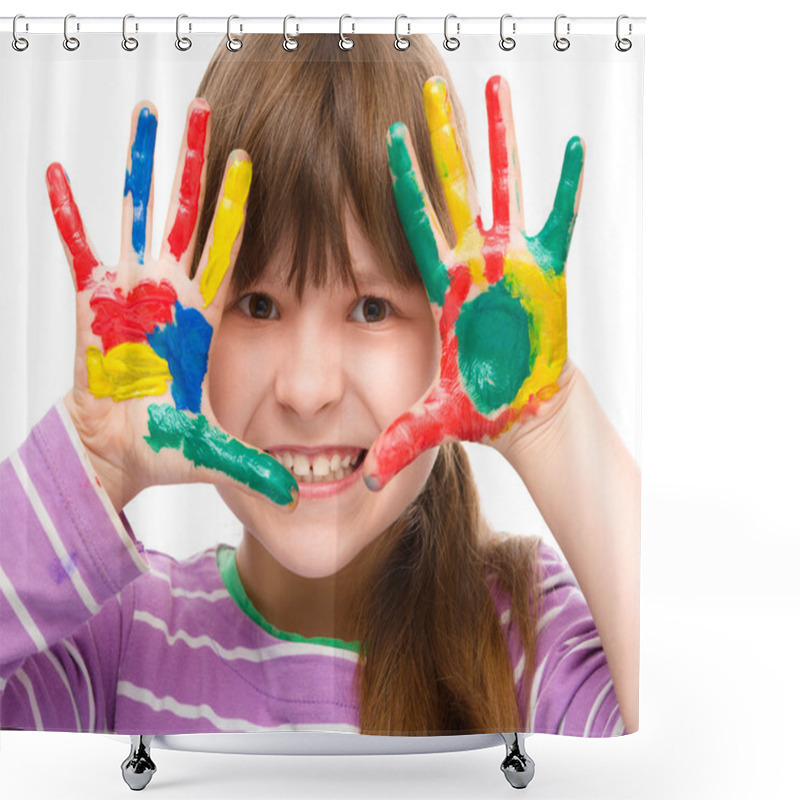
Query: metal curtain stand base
x=518 y=767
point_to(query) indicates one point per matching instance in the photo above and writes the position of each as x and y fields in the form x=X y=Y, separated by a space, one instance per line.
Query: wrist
x=533 y=434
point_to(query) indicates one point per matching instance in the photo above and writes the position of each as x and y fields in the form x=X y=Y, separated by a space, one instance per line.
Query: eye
x=258 y=306
x=375 y=309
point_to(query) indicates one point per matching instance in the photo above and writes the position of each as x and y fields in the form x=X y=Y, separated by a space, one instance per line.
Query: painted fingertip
x=399 y=157
x=372 y=482
x=494 y=86
x=437 y=104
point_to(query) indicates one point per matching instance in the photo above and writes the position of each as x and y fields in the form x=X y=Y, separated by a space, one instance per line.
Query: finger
x=224 y=239
x=186 y=201
x=554 y=238
x=506 y=178
x=449 y=158
x=425 y=425
x=137 y=203
x=77 y=247
x=218 y=455
x=419 y=222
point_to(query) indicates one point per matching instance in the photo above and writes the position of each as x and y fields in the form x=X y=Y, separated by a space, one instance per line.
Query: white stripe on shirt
x=260 y=654
x=78 y=659
x=63 y=675
x=596 y=707
x=23 y=678
x=64 y=558
x=10 y=593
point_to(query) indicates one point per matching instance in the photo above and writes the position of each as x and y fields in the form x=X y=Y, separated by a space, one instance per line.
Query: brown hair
x=314 y=122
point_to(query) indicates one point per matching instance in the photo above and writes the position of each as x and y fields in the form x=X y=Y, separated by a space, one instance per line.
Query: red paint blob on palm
x=189 y=197
x=70 y=226
x=119 y=318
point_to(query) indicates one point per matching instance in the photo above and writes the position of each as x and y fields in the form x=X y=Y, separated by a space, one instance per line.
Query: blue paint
x=63 y=569
x=184 y=345
x=137 y=180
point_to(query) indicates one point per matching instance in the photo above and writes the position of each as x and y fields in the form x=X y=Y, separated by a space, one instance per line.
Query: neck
x=294 y=604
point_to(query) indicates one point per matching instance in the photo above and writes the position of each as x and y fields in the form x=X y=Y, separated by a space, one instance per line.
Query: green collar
x=226 y=563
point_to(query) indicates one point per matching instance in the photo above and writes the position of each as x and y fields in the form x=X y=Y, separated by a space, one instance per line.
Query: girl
x=318 y=358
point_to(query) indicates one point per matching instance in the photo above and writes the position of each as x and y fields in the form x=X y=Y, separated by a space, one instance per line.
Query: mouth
x=324 y=467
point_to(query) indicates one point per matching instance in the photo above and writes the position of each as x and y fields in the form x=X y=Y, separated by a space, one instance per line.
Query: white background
x=720 y=603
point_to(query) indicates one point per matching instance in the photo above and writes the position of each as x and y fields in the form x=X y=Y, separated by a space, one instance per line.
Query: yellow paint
x=447 y=156
x=131 y=369
x=227 y=224
x=544 y=297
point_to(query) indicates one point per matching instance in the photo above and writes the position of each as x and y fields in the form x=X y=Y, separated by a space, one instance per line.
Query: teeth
x=321 y=466
x=320 y=470
x=301 y=465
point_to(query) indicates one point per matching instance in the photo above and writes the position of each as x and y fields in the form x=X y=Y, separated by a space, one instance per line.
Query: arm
x=587 y=487
x=65 y=556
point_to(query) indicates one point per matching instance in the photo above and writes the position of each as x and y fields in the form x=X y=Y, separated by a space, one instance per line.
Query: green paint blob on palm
x=494 y=348
x=208 y=446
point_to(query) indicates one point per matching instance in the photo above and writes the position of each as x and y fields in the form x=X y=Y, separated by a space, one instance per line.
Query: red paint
x=189 y=197
x=119 y=319
x=70 y=226
x=498 y=154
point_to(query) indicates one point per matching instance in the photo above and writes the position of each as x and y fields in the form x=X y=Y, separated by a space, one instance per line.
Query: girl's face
x=319 y=379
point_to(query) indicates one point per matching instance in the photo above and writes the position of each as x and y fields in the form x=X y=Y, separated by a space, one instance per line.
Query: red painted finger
x=506 y=177
x=187 y=190
x=425 y=425
x=70 y=227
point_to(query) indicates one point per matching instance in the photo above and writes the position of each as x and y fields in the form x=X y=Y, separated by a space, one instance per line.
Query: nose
x=310 y=376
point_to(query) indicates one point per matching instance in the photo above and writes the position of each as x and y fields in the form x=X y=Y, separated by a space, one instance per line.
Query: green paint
x=208 y=446
x=410 y=203
x=495 y=347
x=551 y=245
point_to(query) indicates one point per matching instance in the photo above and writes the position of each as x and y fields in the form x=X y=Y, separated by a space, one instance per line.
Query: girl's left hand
x=498 y=296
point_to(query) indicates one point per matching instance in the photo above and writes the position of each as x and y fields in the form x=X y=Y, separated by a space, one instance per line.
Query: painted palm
x=499 y=295
x=145 y=326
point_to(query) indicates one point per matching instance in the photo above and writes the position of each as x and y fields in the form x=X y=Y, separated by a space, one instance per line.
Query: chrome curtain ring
x=344 y=42
x=400 y=42
x=289 y=42
x=451 y=42
x=183 y=43
x=561 y=43
x=18 y=42
x=129 y=43
x=506 y=42
x=623 y=45
x=70 y=42
x=234 y=43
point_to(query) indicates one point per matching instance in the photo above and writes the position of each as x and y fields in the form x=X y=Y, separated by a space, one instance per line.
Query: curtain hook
x=400 y=42
x=344 y=42
x=623 y=45
x=183 y=43
x=506 y=42
x=451 y=42
x=128 y=42
x=561 y=43
x=289 y=42
x=234 y=43
x=18 y=42
x=71 y=43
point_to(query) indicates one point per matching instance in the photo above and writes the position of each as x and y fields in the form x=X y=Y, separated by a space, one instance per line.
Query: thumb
x=423 y=426
x=219 y=457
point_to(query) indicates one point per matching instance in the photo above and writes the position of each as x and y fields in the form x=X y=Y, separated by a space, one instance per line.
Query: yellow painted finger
x=228 y=222
x=448 y=157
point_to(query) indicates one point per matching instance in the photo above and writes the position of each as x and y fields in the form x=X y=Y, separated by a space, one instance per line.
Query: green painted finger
x=209 y=446
x=416 y=215
x=551 y=245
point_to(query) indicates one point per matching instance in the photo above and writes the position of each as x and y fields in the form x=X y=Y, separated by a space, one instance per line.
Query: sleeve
x=572 y=691
x=65 y=556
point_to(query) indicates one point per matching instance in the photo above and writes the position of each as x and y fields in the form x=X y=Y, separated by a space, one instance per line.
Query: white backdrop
x=74 y=107
x=720 y=433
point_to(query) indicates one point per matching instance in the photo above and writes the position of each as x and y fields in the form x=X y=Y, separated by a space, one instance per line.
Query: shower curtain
x=146 y=618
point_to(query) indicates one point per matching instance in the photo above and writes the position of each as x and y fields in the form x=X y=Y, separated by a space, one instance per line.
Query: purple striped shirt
x=97 y=634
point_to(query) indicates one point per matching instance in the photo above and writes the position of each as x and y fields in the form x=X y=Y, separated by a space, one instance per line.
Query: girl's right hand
x=140 y=400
